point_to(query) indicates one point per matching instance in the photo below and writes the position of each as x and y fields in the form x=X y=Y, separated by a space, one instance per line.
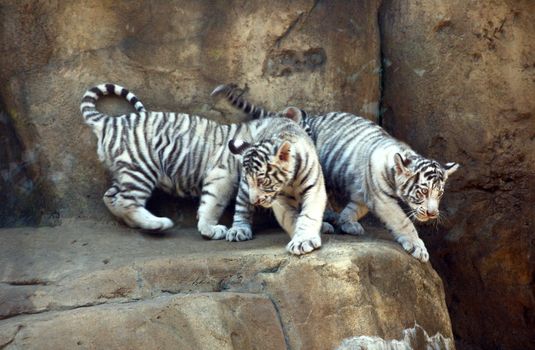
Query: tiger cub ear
x=293 y=113
x=401 y=165
x=451 y=168
x=283 y=153
x=238 y=146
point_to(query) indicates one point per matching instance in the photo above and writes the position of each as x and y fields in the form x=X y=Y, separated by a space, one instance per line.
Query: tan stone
x=199 y=321
x=351 y=287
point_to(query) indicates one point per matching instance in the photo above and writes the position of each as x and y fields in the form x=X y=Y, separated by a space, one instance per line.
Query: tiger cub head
x=267 y=167
x=420 y=184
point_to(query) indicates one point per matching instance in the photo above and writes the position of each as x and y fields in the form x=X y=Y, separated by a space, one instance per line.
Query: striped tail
x=233 y=94
x=91 y=96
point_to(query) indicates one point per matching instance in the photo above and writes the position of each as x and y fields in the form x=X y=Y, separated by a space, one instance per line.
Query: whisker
x=443 y=218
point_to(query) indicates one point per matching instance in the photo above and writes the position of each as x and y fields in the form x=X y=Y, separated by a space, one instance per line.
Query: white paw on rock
x=302 y=244
x=165 y=223
x=239 y=233
x=415 y=247
x=157 y=224
x=213 y=231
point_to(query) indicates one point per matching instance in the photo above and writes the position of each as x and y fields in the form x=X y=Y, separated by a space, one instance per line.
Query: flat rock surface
x=100 y=285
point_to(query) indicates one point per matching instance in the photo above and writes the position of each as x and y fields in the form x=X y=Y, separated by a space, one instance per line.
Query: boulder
x=106 y=286
x=198 y=321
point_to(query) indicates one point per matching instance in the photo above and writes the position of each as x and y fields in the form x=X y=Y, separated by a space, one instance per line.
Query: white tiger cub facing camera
x=282 y=173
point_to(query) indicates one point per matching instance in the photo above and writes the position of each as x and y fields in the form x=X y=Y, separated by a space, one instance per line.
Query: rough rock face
x=197 y=321
x=102 y=286
x=171 y=54
x=459 y=85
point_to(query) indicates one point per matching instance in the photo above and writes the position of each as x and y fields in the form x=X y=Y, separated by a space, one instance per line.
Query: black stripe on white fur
x=91 y=96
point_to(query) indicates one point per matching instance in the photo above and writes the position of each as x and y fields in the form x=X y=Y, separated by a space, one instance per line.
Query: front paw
x=302 y=244
x=352 y=228
x=153 y=224
x=415 y=247
x=327 y=228
x=239 y=233
x=213 y=231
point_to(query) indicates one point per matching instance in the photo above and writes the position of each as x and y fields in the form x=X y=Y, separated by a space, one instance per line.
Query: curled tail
x=91 y=96
x=233 y=94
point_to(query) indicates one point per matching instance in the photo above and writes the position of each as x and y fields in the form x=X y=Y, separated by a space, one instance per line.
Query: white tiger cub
x=368 y=169
x=182 y=154
x=281 y=172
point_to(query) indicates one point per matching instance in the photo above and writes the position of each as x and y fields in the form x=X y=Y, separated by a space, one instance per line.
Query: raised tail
x=91 y=96
x=233 y=94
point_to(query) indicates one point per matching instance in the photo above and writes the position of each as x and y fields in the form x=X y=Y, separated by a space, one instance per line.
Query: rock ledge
x=107 y=286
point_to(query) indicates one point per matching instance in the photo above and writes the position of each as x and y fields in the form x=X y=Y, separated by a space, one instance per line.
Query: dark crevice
x=32 y=282
x=287 y=31
x=10 y=341
x=76 y=307
x=276 y=268
x=382 y=65
x=21 y=186
x=279 y=317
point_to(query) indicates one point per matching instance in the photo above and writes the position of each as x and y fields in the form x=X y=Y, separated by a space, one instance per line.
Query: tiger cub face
x=266 y=167
x=420 y=184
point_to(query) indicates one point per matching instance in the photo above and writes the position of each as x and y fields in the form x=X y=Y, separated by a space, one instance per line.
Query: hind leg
x=330 y=219
x=241 y=229
x=217 y=190
x=128 y=203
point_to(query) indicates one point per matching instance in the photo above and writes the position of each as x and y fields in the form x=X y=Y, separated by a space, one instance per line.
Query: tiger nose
x=432 y=213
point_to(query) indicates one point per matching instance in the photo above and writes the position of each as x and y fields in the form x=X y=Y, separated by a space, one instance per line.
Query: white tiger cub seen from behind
x=189 y=156
x=368 y=169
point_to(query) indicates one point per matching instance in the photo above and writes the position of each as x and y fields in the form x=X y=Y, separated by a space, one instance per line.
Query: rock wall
x=459 y=84
x=172 y=55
